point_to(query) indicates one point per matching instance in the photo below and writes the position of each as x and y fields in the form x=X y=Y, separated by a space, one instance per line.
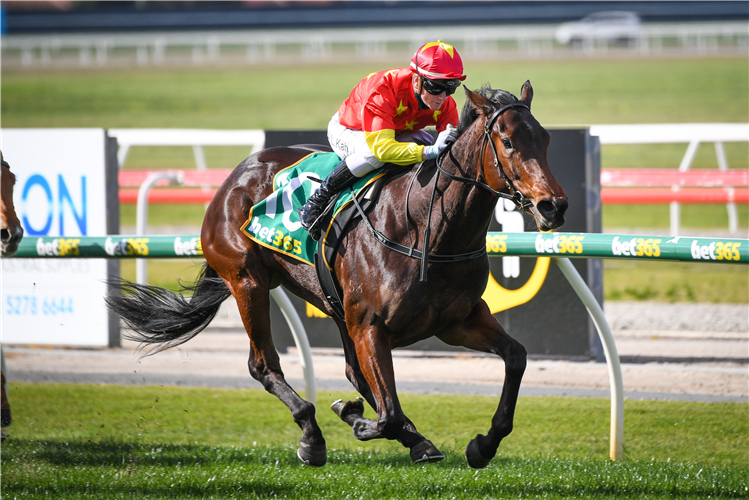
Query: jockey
x=382 y=121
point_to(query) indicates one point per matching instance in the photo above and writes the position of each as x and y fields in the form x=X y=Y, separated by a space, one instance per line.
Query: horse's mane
x=469 y=113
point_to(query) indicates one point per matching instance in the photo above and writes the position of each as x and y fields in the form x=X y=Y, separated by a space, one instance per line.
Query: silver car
x=619 y=26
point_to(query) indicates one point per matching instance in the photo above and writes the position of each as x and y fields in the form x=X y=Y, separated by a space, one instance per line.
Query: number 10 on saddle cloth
x=274 y=223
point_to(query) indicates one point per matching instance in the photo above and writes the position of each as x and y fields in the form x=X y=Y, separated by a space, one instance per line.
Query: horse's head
x=513 y=149
x=11 y=231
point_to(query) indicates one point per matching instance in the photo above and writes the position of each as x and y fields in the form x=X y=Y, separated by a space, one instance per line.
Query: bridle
x=520 y=200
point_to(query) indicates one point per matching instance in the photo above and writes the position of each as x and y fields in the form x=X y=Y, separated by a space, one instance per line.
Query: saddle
x=337 y=225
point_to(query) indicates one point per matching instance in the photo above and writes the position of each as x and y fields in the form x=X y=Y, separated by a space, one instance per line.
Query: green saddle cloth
x=274 y=222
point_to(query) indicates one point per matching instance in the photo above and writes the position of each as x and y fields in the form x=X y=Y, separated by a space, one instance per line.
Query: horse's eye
x=506 y=143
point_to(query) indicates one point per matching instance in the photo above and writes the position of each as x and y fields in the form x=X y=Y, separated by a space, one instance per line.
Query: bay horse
x=501 y=152
x=11 y=233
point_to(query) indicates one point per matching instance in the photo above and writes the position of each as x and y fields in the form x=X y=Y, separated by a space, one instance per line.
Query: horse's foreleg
x=265 y=367
x=352 y=412
x=481 y=332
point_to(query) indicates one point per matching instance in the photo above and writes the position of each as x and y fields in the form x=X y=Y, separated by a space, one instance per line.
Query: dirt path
x=695 y=370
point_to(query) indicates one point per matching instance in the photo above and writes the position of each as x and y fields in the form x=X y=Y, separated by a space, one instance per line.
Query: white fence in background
x=335 y=45
x=196 y=138
x=692 y=134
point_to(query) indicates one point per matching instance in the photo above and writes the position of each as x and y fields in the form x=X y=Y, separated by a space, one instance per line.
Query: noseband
x=518 y=198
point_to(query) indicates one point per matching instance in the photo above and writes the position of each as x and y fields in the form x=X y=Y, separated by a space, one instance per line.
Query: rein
x=425 y=257
x=520 y=200
x=6 y=164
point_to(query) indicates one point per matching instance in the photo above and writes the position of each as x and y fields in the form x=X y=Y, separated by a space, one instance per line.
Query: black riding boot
x=309 y=214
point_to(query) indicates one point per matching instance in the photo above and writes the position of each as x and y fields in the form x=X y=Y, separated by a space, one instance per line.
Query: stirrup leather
x=310 y=214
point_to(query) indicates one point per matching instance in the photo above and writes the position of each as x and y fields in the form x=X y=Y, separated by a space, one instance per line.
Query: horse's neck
x=461 y=212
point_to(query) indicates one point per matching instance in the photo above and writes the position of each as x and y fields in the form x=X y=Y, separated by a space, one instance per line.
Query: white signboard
x=60 y=191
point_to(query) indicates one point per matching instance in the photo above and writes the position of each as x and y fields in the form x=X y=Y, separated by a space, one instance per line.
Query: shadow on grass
x=33 y=469
x=114 y=454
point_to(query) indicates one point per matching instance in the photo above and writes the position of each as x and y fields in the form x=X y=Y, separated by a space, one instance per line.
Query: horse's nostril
x=546 y=208
x=551 y=208
x=4 y=235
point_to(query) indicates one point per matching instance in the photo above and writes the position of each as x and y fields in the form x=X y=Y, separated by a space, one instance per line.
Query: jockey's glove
x=447 y=136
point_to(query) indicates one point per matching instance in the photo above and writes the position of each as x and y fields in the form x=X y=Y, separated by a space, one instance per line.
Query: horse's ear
x=481 y=103
x=526 y=93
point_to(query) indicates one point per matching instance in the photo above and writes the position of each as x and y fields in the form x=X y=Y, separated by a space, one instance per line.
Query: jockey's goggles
x=447 y=86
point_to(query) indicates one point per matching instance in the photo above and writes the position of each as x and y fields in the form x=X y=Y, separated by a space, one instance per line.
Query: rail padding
x=571 y=245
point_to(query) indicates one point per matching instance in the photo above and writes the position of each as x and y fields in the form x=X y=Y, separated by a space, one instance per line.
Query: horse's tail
x=160 y=316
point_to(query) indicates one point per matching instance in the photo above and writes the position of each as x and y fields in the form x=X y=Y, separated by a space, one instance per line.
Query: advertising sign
x=60 y=191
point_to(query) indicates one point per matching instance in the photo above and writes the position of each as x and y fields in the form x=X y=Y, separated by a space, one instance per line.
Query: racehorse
x=11 y=233
x=501 y=151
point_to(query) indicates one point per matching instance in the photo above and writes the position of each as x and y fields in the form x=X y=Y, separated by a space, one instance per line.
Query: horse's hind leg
x=352 y=412
x=265 y=367
x=481 y=332
x=371 y=372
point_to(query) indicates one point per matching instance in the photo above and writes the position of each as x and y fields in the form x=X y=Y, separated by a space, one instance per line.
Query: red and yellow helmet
x=438 y=61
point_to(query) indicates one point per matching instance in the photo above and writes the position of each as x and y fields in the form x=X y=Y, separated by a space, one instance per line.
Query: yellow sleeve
x=385 y=148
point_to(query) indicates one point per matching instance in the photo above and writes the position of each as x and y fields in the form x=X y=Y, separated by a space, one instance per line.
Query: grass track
x=82 y=441
x=119 y=470
x=567 y=92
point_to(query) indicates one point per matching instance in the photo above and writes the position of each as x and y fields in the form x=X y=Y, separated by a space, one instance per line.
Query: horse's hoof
x=314 y=456
x=474 y=457
x=425 y=451
x=343 y=408
x=5 y=418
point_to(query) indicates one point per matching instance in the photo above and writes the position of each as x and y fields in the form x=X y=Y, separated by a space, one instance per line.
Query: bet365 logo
x=716 y=250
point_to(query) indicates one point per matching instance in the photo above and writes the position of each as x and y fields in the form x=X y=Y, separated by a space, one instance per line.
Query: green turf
x=82 y=441
x=567 y=92
x=675 y=282
x=710 y=433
